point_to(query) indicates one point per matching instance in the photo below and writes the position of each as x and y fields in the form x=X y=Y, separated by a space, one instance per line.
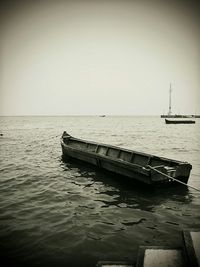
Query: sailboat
x=170 y=115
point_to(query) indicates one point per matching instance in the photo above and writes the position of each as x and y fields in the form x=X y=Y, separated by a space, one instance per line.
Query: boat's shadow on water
x=131 y=193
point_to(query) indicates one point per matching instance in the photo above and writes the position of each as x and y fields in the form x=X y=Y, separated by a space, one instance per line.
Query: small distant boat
x=102 y=115
x=146 y=168
x=167 y=121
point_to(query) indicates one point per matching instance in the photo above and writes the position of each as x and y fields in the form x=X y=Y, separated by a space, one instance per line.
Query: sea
x=55 y=213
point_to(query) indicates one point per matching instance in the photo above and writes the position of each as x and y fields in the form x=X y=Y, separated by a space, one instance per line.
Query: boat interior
x=129 y=156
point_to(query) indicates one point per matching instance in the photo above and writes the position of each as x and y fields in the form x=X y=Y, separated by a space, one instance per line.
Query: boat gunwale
x=124 y=149
x=131 y=166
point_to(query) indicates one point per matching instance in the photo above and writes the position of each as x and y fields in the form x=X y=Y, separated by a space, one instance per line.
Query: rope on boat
x=53 y=137
x=172 y=178
x=41 y=140
x=44 y=139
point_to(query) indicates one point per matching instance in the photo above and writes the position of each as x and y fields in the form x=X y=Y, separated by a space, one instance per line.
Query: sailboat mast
x=170 y=100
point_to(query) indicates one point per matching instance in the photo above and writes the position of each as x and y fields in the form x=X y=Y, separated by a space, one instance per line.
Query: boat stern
x=181 y=172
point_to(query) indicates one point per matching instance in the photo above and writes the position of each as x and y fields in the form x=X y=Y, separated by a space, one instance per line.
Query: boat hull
x=179 y=121
x=108 y=165
x=127 y=163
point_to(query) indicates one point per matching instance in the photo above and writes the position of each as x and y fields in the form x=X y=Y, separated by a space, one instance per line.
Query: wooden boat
x=179 y=121
x=139 y=166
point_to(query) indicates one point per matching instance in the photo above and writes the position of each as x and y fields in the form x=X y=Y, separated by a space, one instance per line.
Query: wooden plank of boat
x=139 y=166
x=167 y=121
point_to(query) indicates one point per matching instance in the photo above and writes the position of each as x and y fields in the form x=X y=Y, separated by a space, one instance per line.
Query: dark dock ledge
x=187 y=255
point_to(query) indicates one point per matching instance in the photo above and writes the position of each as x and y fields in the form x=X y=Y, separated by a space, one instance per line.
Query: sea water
x=54 y=213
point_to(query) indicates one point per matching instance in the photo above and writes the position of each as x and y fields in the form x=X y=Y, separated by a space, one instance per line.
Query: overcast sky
x=99 y=57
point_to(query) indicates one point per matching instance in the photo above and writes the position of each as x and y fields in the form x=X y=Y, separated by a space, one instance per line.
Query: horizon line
x=74 y=115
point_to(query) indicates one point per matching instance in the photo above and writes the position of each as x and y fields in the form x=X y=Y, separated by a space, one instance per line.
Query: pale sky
x=99 y=57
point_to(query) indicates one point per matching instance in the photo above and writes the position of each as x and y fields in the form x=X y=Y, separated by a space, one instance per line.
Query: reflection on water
x=123 y=191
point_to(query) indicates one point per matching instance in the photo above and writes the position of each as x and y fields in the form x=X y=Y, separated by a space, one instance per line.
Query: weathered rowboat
x=179 y=121
x=139 y=166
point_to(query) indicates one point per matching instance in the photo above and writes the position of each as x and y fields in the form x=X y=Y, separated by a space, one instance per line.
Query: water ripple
x=51 y=211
